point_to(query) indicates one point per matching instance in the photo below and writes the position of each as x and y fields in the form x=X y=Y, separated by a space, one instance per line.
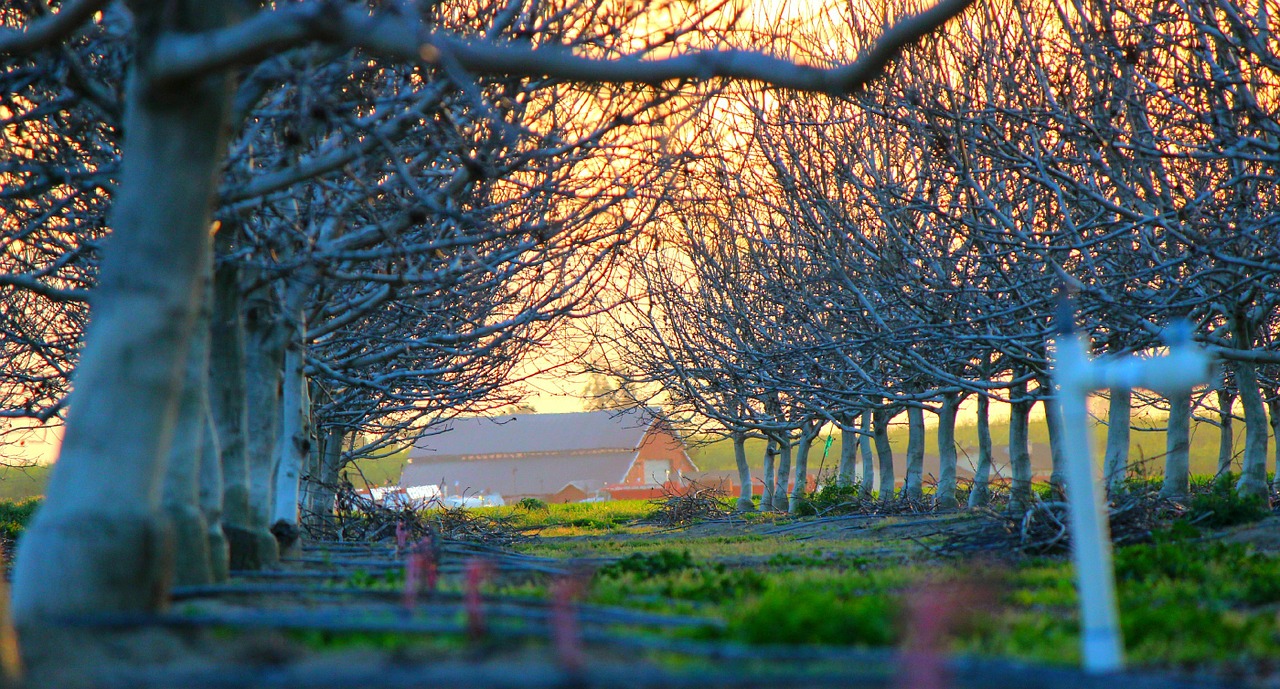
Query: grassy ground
x=1192 y=599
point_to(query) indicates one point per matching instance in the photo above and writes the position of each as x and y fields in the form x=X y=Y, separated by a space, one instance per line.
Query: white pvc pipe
x=1090 y=531
x=1076 y=376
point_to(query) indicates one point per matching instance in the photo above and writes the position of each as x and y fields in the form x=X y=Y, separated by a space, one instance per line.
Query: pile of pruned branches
x=688 y=503
x=1044 y=528
x=360 y=518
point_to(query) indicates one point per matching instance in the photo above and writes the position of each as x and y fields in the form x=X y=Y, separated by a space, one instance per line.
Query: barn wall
x=660 y=444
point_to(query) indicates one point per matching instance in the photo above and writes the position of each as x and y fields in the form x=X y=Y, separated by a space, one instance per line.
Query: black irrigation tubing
x=427 y=618
x=963 y=674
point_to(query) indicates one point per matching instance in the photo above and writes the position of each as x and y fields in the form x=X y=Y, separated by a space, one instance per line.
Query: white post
x=1076 y=376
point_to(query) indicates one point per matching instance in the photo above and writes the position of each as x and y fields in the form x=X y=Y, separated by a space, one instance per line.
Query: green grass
x=18 y=483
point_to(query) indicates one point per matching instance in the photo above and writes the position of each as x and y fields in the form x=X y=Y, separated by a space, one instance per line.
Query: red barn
x=554 y=457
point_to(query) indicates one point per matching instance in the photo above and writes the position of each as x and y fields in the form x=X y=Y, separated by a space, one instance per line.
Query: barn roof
x=515 y=476
x=536 y=433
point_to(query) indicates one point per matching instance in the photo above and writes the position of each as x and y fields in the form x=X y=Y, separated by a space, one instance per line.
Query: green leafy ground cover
x=1194 y=598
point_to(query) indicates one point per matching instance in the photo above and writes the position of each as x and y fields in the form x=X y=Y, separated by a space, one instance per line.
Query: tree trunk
x=980 y=493
x=265 y=338
x=211 y=486
x=1053 y=419
x=780 y=489
x=767 y=474
x=1253 y=473
x=913 y=485
x=293 y=448
x=99 y=543
x=745 y=490
x=1019 y=450
x=1177 y=458
x=181 y=496
x=847 y=472
x=868 y=457
x=1115 y=467
x=807 y=434
x=1273 y=406
x=1226 y=434
x=231 y=416
x=324 y=490
x=947 y=451
x=880 y=422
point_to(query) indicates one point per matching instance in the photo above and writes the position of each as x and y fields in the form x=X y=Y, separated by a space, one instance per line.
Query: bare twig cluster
x=361 y=518
x=1042 y=529
x=688 y=503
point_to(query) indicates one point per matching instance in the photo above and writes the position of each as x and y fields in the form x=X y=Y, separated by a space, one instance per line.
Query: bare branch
x=179 y=57
x=50 y=29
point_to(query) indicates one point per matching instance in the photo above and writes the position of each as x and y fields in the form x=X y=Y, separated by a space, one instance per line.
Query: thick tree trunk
x=780 y=489
x=807 y=434
x=884 y=451
x=211 y=501
x=1115 y=467
x=745 y=490
x=1053 y=419
x=99 y=543
x=1177 y=458
x=231 y=416
x=767 y=475
x=980 y=493
x=181 y=496
x=1253 y=473
x=868 y=457
x=265 y=338
x=947 y=451
x=1226 y=434
x=293 y=448
x=913 y=484
x=1019 y=450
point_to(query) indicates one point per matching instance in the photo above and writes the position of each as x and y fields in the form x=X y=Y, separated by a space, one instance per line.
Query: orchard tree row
x=905 y=249
x=236 y=235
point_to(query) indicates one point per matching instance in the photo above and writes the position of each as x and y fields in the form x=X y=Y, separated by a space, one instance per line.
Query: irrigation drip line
x=496 y=674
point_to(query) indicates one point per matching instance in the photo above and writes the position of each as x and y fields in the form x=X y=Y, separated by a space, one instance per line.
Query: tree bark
x=231 y=417
x=1177 y=458
x=745 y=489
x=947 y=451
x=767 y=475
x=1226 y=433
x=211 y=486
x=181 y=497
x=1019 y=450
x=1115 y=466
x=97 y=545
x=980 y=493
x=293 y=448
x=324 y=490
x=868 y=456
x=1253 y=473
x=847 y=472
x=913 y=484
x=880 y=433
x=781 y=489
x=1053 y=419
x=807 y=434
x=265 y=340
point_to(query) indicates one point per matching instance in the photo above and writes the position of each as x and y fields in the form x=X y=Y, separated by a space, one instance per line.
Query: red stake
x=477 y=571
x=564 y=622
